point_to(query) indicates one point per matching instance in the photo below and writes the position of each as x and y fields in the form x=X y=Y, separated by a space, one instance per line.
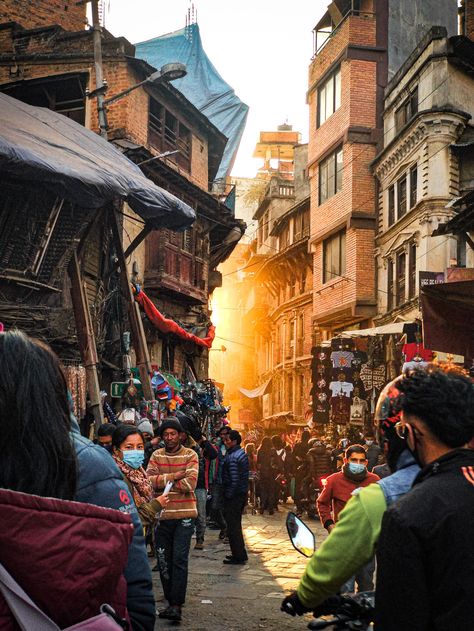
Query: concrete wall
x=409 y=21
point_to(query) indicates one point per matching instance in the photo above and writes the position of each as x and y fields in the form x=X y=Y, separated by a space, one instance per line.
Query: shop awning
x=448 y=314
x=256 y=392
x=39 y=145
x=387 y=329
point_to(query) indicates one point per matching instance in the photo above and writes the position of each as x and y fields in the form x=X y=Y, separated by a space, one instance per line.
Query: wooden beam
x=86 y=338
x=136 y=325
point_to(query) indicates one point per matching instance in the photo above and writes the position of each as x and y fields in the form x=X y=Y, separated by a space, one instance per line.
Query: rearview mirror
x=301 y=536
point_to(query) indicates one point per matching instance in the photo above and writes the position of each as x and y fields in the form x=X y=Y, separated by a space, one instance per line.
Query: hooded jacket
x=425 y=556
x=100 y=482
x=67 y=556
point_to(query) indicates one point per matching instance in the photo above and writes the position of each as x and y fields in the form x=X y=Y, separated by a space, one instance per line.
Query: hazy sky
x=262 y=48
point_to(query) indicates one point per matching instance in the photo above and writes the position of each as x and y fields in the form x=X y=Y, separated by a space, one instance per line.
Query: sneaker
x=165 y=613
x=225 y=540
x=199 y=545
x=222 y=534
x=155 y=568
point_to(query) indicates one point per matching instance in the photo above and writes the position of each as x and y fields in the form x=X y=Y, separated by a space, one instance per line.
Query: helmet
x=387 y=410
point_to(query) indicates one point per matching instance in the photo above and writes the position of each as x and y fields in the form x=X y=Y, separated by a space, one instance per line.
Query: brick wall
x=34 y=13
x=469 y=19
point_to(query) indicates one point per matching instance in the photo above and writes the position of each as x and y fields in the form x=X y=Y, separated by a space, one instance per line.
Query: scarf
x=353 y=477
x=141 y=485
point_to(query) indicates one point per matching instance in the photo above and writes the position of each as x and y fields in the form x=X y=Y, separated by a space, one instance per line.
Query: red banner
x=165 y=325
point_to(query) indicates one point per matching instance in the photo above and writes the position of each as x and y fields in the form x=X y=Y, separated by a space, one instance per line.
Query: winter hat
x=145 y=426
x=170 y=423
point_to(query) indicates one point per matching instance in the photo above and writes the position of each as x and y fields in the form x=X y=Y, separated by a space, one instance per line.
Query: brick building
x=427 y=128
x=47 y=59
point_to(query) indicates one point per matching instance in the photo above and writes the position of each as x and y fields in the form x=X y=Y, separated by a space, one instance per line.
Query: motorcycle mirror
x=301 y=536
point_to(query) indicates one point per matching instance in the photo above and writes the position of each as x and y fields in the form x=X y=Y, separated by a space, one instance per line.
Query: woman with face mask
x=128 y=451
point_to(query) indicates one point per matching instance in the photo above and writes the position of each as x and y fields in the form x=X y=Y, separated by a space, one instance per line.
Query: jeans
x=217 y=505
x=233 y=508
x=201 y=498
x=364 y=578
x=173 y=540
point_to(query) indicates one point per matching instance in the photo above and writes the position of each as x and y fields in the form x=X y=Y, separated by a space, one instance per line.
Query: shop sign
x=119 y=388
x=430 y=278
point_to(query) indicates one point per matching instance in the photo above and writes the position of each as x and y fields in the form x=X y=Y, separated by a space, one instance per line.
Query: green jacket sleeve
x=349 y=546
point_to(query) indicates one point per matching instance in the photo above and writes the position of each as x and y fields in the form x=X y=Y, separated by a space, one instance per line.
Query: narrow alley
x=227 y=598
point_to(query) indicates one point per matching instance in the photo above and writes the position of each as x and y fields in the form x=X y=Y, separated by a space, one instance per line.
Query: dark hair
x=277 y=442
x=221 y=429
x=106 y=429
x=122 y=432
x=266 y=445
x=38 y=456
x=443 y=399
x=354 y=449
x=305 y=436
x=235 y=435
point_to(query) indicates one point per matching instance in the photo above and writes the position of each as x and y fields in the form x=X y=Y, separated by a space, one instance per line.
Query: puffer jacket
x=321 y=464
x=67 y=556
x=235 y=474
x=100 y=482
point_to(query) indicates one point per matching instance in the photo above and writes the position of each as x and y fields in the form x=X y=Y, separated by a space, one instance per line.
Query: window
x=334 y=256
x=290 y=392
x=330 y=176
x=292 y=286
x=303 y=282
x=329 y=96
x=413 y=185
x=167 y=133
x=300 y=335
x=390 y=286
x=407 y=110
x=401 y=197
x=401 y=279
x=391 y=205
x=412 y=271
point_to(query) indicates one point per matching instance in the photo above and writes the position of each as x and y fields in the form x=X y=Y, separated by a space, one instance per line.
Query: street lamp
x=168 y=72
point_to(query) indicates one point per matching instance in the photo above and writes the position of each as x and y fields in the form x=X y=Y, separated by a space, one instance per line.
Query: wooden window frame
x=333 y=81
x=340 y=239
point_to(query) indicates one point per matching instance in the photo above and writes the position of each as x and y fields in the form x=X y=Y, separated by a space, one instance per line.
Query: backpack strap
x=26 y=613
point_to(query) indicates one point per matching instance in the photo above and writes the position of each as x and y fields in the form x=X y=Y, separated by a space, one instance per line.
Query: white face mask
x=369 y=442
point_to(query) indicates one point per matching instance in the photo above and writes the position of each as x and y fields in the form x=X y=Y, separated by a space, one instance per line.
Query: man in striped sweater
x=179 y=465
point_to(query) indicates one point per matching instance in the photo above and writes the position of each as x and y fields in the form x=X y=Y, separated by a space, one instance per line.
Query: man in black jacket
x=235 y=481
x=425 y=553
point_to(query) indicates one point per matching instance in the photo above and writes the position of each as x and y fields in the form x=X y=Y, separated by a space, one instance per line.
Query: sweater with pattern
x=162 y=468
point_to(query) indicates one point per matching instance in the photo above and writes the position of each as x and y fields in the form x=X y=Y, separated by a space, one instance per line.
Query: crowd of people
x=170 y=481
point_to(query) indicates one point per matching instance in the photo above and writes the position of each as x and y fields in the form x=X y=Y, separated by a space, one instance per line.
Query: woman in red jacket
x=67 y=556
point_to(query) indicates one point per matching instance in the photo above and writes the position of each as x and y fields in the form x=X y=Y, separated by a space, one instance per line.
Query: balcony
x=336 y=17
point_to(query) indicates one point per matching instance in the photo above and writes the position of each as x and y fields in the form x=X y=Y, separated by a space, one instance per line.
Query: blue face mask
x=134 y=458
x=355 y=467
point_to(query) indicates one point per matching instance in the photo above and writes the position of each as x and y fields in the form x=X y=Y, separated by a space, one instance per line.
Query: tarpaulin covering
x=166 y=325
x=39 y=145
x=202 y=85
x=448 y=314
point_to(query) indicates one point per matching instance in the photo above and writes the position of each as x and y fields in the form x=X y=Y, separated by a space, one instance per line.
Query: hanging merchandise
x=76 y=383
x=166 y=325
x=358 y=411
x=321 y=368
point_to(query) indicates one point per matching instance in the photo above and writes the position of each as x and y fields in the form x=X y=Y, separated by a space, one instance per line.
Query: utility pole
x=100 y=87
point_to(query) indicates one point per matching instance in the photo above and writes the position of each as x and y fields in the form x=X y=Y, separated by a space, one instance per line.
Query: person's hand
x=180 y=475
x=293 y=606
x=163 y=500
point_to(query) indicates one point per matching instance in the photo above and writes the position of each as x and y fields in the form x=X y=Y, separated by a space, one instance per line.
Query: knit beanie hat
x=170 y=423
x=145 y=426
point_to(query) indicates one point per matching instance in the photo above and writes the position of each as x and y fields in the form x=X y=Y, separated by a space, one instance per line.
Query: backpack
x=30 y=617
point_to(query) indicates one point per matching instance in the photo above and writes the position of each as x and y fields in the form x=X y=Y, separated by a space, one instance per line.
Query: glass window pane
x=337 y=90
x=329 y=97
x=339 y=170
x=322 y=105
x=343 y=253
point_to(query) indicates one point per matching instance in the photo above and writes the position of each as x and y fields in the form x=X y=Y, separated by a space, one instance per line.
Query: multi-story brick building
x=428 y=108
x=47 y=59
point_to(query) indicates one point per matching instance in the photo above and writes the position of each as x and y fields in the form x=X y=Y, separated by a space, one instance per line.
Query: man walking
x=425 y=556
x=336 y=493
x=235 y=480
x=179 y=465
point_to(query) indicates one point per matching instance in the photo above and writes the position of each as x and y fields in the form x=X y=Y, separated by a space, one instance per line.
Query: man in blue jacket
x=100 y=482
x=235 y=481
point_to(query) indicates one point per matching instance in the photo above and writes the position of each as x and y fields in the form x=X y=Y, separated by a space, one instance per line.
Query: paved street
x=231 y=598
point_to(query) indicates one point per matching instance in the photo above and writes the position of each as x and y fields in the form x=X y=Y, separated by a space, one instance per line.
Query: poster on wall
x=430 y=278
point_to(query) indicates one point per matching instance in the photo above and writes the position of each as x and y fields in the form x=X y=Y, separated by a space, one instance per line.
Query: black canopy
x=39 y=145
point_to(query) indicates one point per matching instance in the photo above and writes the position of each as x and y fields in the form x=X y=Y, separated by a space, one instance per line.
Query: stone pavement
x=233 y=598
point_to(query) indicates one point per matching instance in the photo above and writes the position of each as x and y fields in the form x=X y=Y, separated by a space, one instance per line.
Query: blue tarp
x=202 y=86
x=39 y=145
